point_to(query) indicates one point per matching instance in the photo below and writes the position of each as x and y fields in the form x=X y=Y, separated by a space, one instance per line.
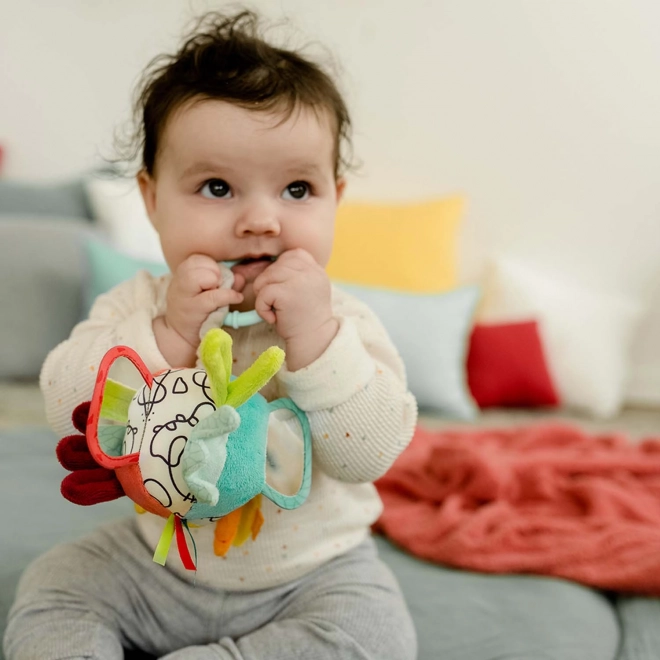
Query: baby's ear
x=340 y=186
x=148 y=189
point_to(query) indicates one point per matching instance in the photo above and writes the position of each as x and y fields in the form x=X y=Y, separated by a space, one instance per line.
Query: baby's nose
x=258 y=219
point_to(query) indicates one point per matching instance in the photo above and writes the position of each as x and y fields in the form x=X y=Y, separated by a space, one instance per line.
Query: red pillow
x=506 y=366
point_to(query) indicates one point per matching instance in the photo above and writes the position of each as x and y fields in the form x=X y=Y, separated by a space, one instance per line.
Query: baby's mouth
x=250 y=267
x=249 y=260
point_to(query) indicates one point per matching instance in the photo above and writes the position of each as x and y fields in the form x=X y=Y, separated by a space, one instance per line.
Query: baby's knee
x=387 y=633
x=50 y=634
x=58 y=605
x=80 y=568
x=394 y=641
x=399 y=642
x=54 y=619
x=49 y=568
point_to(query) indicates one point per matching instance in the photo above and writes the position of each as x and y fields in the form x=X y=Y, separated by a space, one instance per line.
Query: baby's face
x=232 y=183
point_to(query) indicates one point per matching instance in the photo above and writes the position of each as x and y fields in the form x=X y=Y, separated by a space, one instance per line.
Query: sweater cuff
x=137 y=332
x=341 y=371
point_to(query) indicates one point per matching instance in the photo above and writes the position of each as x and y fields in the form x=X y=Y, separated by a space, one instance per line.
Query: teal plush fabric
x=244 y=473
x=432 y=333
x=205 y=454
x=107 y=267
x=245 y=468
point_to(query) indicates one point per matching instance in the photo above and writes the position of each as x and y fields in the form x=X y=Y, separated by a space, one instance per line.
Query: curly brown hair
x=226 y=58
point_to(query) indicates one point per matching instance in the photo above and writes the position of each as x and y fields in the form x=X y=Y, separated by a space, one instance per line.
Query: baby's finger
x=199 y=261
x=274 y=274
x=239 y=282
x=264 y=305
x=199 y=279
x=297 y=258
x=216 y=298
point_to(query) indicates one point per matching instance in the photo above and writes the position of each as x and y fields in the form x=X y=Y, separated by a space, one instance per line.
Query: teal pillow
x=432 y=333
x=107 y=266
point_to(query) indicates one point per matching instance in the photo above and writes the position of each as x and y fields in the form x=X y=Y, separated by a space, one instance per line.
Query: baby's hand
x=294 y=293
x=194 y=292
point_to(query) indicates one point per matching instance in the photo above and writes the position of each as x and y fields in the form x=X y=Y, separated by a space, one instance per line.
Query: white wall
x=544 y=113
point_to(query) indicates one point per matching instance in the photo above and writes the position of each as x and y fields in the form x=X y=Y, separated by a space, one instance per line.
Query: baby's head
x=241 y=147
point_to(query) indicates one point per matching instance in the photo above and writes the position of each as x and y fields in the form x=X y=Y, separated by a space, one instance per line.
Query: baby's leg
x=88 y=599
x=350 y=608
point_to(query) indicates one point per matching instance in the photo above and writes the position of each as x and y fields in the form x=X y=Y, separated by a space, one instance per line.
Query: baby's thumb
x=239 y=282
x=221 y=299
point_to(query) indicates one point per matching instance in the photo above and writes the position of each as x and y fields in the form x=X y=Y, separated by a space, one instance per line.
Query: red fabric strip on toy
x=507 y=366
x=546 y=499
x=182 y=546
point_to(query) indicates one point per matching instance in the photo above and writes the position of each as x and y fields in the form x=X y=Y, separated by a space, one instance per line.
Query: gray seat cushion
x=456 y=613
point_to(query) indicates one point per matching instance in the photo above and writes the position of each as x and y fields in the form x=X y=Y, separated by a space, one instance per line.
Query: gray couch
x=42 y=228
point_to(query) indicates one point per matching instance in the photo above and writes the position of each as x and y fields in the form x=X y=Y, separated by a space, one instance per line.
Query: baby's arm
x=361 y=414
x=161 y=323
x=121 y=316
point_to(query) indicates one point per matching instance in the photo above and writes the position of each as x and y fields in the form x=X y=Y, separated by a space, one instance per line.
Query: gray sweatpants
x=95 y=597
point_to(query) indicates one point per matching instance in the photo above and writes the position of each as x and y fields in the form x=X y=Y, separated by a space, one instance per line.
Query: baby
x=241 y=162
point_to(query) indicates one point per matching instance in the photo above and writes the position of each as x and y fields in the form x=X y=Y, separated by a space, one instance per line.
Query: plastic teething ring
x=238 y=319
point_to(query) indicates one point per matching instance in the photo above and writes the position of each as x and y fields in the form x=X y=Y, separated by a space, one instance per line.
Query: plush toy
x=191 y=445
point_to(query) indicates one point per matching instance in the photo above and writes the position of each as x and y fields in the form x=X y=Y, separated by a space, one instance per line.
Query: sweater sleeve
x=361 y=414
x=123 y=316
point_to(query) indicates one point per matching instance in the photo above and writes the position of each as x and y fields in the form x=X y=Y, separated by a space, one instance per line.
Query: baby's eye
x=296 y=191
x=216 y=189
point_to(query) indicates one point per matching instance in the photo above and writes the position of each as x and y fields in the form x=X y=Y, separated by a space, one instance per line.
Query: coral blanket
x=546 y=499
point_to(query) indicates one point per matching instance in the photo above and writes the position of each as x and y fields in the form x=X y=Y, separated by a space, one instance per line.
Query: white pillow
x=118 y=208
x=588 y=336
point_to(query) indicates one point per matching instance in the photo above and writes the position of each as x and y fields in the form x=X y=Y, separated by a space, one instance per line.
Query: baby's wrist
x=304 y=349
x=175 y=348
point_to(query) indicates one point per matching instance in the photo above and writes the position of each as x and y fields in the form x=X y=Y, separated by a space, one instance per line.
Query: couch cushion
x=405 y=247
x=41 y=270
x=431 y=332
x=65 y=199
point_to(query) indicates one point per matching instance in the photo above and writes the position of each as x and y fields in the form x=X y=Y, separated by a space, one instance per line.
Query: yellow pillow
x=409 y=247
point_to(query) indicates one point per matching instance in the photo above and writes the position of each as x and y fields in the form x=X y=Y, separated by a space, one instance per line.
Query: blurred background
x=506 y=213
x=543 y=114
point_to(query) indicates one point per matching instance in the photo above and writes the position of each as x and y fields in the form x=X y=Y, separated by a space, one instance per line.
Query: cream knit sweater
x=360 y=412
